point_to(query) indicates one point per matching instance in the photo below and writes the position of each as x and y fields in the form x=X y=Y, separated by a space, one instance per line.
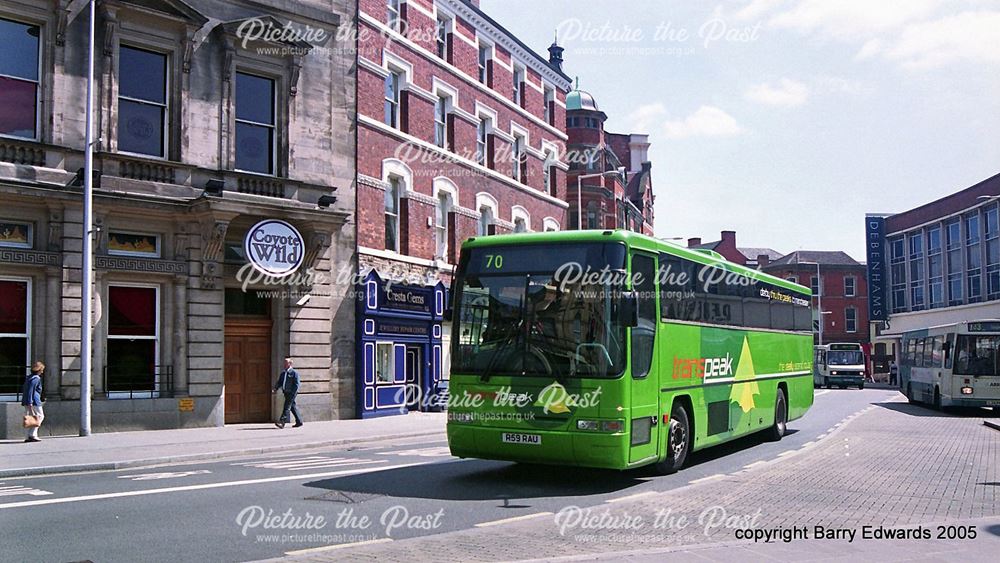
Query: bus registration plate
x=512 y=438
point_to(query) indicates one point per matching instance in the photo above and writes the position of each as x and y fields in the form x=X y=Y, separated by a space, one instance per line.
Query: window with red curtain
x=132 y=339
x=13 y=334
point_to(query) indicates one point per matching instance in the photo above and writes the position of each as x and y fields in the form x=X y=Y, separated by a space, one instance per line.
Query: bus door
x=644 y=382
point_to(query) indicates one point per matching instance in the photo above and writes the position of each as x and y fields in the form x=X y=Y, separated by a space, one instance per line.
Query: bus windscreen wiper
x=503 y=346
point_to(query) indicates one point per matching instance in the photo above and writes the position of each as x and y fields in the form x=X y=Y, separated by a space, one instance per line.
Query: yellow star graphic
x=744 y=393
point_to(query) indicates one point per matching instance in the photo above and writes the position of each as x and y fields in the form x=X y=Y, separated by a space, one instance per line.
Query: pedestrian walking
x=289 y=384
x=31 y=400
x=893 y=372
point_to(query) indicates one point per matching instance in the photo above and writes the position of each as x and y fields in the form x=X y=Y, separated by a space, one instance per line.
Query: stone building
x=613 y=170
x=460 y=134
x=206 y=126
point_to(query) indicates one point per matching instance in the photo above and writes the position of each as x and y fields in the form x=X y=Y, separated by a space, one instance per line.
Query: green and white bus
x=840 y=364
x=612 y=349
x=952 y=365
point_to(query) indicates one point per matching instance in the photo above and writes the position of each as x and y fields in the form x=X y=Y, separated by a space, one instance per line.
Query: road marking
x=166 y=475
x=438 y=451
x=514 y=519
x=338 y=546
x=709 y=478
x=202 y=487
x=13 y=490
x=821 y=393
x=783 y=454
x=755 y=464
x=631 y=497
x=313 y=462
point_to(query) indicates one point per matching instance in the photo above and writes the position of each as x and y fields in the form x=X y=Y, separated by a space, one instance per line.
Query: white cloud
x=757 y=8
x=644 y=117
x=788 y=92
x=707 y=121
x=869 y=49
x=854 y=19
x=971 y=36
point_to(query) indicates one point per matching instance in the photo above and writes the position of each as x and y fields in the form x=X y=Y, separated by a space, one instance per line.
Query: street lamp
x=579 y=193
x=819 y=297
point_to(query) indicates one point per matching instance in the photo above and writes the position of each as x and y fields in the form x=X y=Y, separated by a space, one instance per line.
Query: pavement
x=892 y=469
x=121 y=450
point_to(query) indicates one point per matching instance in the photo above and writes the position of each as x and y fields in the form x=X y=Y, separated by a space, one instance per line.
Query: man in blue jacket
x=31 y=400
x=289 y=384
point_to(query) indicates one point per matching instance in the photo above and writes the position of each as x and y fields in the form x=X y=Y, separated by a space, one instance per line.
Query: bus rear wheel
x=780 y=417
x=678 y=442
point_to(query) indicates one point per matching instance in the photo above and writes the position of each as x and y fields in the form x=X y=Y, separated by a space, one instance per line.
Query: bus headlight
x=833 y=373
x=966 y=390
x=587 y=425
x=466 y=417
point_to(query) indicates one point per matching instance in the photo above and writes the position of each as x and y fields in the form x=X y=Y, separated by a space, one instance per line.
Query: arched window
x=444 y=204
x=486 y=219
x=521 y=218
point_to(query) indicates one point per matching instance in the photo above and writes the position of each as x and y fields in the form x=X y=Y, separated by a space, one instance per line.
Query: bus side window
x=937 y=355
x=643 y=336
x=949 y=345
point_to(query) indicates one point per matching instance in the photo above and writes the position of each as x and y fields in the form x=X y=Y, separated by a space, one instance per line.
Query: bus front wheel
x=678 y=442
x=780 y=417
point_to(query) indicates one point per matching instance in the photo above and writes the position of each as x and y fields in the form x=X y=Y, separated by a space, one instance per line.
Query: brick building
x=460 y=134
x=203 y=132
x=841 y=283
x=753 y=257
x=613 y=170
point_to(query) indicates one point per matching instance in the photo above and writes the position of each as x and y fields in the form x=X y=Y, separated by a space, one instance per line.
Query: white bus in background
x=839 y=363
x=952 y=365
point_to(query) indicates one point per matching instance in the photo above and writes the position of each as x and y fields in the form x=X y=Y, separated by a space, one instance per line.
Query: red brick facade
x=409 y=151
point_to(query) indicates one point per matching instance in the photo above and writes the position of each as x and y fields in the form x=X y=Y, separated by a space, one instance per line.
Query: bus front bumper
x=846 y=380
x=585 y=449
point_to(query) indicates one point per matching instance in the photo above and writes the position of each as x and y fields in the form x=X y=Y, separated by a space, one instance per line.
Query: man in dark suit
x=289 y=384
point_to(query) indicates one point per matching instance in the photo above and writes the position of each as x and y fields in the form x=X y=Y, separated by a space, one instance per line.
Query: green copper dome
x=578 y=99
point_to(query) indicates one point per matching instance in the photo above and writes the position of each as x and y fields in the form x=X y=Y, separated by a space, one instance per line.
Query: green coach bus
x=612 y=349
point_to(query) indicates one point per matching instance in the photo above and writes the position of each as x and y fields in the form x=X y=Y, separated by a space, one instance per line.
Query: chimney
x=763 y=260
x=692 y=242
x=729 y=236
x=474 y=2
x=556 y=55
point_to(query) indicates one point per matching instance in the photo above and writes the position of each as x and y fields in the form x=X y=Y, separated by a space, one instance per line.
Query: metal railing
x=129 y=384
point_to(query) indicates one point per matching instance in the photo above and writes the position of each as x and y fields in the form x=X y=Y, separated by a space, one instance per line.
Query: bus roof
x=990 y=325
x=633 y=240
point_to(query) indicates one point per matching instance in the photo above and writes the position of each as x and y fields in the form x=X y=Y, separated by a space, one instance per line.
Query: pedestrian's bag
x=31 y=421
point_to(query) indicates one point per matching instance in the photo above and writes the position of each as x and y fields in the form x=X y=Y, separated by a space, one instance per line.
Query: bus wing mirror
x=629 y=309
x=448 y=313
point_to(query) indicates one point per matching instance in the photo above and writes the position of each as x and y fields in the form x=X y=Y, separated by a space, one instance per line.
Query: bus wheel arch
x=680 y=424
x=780 y=426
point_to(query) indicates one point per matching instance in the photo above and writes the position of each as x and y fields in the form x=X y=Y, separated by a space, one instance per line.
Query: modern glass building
x=942 y=261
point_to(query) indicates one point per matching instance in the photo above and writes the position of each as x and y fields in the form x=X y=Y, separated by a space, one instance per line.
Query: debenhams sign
x=274 y=248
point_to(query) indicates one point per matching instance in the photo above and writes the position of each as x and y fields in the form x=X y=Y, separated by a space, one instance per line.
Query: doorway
x=414 y=377
x=247 y=373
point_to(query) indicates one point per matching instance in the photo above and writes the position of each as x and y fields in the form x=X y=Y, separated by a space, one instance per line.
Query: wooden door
x=248 y=371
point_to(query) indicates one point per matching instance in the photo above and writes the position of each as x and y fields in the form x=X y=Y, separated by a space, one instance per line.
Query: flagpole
x=88 y=249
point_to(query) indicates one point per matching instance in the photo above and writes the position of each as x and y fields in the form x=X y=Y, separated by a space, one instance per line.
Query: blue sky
x=787 y=120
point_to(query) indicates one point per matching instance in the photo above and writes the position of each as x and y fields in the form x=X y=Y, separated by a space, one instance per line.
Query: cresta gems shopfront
x=401 y=347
